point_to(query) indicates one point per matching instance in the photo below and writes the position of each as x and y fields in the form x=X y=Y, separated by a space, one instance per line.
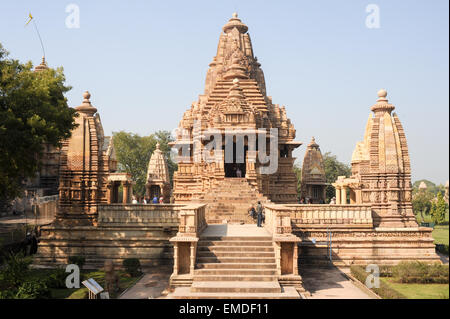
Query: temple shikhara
x=314 y=181
x=234 y=149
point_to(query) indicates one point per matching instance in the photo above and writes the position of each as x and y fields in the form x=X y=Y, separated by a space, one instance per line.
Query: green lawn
x=419 y=291
x=440 y=234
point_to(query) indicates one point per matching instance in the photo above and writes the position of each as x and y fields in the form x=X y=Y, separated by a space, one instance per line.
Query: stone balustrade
x=360 y=214
x=278 y=223
x=192 y=221
x=137 y=214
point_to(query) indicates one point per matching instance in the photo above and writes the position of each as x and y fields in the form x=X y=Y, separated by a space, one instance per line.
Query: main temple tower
x=235 y=109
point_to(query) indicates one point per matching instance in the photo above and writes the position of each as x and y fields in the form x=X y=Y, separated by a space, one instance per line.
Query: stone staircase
x=230 y=201
x=235 y=267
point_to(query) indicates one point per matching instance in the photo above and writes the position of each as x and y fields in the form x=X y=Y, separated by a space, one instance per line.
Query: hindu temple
x=235 y=149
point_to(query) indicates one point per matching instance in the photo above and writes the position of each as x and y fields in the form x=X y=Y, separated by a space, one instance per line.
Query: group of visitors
x=307 y=200
x=237 y=171
x=257 y=214
x=146 y=200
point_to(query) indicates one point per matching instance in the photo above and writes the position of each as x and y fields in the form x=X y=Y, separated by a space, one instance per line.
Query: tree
x=422 y=203
x=439 y=209
x=298 y=175
x=33 y=112
x=333 y=169
x=431 y=187
x=134 y=151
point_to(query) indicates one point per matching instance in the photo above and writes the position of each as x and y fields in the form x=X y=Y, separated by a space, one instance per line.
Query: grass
x=419 y=291
x=441 y=234
x=125 y=281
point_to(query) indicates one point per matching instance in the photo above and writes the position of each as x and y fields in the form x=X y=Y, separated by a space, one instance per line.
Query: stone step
x=236 y=287
x=234 y=243
x=235 y=249
x=185 y=293
x=217 y=259
x=236 y=265
x=236 y=238
x=223 y=277
x=236 y=272
x=220 y=254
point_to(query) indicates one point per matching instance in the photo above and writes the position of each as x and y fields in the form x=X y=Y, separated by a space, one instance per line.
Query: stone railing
x=277 y=219
x=192 y=220
x=310 y=215
x=278 y=223
x=137 y=214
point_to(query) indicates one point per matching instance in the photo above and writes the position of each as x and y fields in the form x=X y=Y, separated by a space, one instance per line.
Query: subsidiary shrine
x=234 y=148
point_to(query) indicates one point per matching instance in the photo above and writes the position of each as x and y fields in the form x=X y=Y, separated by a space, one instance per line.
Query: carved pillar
x=295 y=259
x=338 y=195
x=358 y=196
x=175 y=258
x=109 y=187
x=192 y=258
x=343 y=195
x=125 y=192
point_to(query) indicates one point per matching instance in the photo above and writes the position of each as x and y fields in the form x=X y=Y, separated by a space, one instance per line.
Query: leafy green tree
x=422 y=203
x=333 y=169
x=134 y=151
x=33 y=111
x=438 y=209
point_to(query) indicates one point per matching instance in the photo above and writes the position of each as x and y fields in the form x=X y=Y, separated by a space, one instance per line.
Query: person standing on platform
x=259 y=214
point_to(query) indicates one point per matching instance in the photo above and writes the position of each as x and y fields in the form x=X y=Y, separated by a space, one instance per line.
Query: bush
x=77 y=260
x=7 y=294
x=419 y=272
x=442 y=248
x=57 y=279
x=132 y=266
x=384 y=291
x=16 y=268
x=33 y=289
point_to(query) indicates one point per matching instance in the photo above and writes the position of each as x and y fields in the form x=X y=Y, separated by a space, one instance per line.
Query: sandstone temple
x=235 y=150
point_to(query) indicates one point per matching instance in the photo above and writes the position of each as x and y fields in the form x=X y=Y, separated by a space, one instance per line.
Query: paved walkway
x=246 y=230
x=330 y=283
x=22 y=219
x=151 y=285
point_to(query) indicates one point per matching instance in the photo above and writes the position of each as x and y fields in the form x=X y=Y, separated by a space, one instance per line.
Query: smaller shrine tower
x=158 y=180
x=87 y=160
x=314 y=181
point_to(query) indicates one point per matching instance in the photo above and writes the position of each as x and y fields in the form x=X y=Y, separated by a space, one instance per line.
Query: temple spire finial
x=86 y=107
x=41 y=67
x=382 y=105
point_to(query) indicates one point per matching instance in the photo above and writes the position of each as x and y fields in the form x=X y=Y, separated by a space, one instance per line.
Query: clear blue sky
x=144 y=62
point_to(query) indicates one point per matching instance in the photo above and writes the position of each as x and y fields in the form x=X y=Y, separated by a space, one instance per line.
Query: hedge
x=420 y=272
x=384 y=291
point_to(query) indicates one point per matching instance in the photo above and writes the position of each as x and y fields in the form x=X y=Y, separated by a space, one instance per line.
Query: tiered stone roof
x=235 y=68
x=381 y=162
x=313 y=171
x=157 y=167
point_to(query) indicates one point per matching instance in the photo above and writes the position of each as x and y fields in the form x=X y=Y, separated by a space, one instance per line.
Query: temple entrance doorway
x=237 y=166
x=155 y=191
